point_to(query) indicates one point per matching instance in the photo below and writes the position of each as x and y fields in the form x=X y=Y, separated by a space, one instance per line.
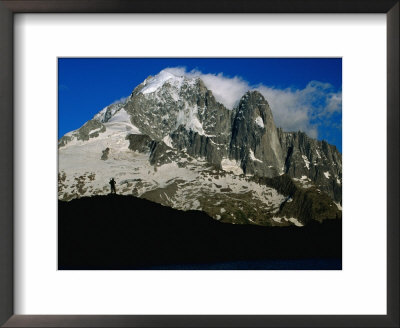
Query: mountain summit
x=173 y=143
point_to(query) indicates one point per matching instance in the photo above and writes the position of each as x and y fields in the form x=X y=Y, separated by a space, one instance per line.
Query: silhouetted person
x=112 y=184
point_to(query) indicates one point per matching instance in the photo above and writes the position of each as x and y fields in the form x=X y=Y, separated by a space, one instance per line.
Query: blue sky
x=304 y=93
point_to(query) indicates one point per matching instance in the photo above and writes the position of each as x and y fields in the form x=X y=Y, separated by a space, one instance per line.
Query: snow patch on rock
x=189 y=119
x=259 y=121
x=231 y=166
x=294 y=221
x=338 y=206
x=306 y=161
x=156 y=82
x=253 y=158
x=168 y=141
x=304 y=181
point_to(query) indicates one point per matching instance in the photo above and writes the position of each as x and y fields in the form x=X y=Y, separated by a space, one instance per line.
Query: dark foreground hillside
x=124 y=232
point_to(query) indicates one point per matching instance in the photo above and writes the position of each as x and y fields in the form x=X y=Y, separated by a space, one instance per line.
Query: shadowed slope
x=124 y=232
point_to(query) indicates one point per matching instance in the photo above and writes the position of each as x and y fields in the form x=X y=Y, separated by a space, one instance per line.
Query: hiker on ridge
x=112 y=184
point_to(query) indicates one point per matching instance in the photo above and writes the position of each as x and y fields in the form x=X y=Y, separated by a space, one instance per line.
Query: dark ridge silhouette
x=124 y=232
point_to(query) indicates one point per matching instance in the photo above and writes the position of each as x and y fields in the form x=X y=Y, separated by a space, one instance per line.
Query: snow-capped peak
x=154 y=83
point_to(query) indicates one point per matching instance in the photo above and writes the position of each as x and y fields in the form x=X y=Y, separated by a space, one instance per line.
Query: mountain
x=173 y=143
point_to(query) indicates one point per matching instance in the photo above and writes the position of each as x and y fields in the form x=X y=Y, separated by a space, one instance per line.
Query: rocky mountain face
x=317 y=160
x=254 y=141
x=172 y=142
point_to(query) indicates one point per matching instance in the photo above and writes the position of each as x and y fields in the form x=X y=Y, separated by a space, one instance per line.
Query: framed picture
x=53 y=274
x=207 y=148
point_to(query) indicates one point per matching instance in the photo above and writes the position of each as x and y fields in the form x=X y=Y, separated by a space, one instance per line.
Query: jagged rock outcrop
x=108 y=112
x=314 y=159
x=91 y=129
x=104 y=155
x=254 y=140
x=304 y=204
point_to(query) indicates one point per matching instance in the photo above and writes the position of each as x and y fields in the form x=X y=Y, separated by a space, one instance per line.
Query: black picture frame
x=10 y=7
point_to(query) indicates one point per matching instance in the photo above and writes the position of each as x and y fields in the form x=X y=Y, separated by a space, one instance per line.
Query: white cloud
x=293 y=109
x=303 y=109
x=120 y=100
x=226 y=90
